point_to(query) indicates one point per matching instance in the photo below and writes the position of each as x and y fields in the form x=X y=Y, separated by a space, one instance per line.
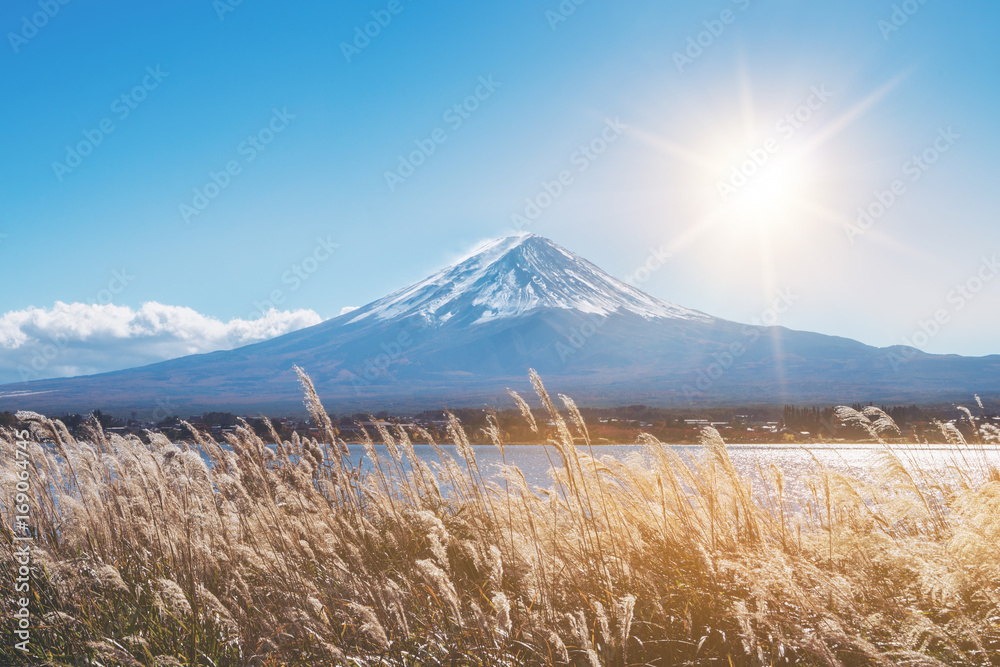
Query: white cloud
x=80 y=339
x=348 y=309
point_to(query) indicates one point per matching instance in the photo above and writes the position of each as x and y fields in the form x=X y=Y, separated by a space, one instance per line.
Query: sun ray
x=840 y=123
x=682 y=153
x=746 y=95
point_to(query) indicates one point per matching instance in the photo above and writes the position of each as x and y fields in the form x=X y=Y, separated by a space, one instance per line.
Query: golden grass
x=145 y=555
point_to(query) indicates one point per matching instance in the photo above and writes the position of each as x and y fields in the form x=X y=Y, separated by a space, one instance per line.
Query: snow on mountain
x=514 y=275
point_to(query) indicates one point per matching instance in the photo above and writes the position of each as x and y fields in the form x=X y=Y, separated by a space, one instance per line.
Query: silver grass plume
x=315 y=406
x=951 y=434
x=880 y=421
x=967 y=415
x=852 y=417
x=525 y=410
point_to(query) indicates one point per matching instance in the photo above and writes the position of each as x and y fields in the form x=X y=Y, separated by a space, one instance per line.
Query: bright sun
x=758 y=168
x=767 y=194
x=759 y=175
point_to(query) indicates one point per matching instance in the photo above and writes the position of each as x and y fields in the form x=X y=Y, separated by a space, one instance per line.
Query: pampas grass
x=286 y=553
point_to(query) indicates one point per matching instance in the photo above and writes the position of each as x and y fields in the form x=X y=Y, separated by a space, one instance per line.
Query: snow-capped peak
x=514 y=275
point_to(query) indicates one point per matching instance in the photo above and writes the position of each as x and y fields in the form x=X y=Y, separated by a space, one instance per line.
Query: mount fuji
x=464 y=334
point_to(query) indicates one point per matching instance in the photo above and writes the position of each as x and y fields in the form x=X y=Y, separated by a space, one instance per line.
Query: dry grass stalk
x=267 y=553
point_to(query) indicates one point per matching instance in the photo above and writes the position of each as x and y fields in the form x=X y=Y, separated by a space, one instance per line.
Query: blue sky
x=208 y=85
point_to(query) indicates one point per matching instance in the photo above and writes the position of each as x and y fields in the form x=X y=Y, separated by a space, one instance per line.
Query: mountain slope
x=465 y=333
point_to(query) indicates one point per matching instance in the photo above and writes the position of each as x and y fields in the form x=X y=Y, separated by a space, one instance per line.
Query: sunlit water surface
x=862 y=461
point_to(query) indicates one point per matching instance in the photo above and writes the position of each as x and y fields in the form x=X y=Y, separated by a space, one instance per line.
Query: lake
x=858 y=460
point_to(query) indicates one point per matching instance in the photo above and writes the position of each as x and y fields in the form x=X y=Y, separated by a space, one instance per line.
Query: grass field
x=289 y=555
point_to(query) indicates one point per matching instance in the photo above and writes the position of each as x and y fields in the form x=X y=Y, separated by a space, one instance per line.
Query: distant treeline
x=613 y=424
